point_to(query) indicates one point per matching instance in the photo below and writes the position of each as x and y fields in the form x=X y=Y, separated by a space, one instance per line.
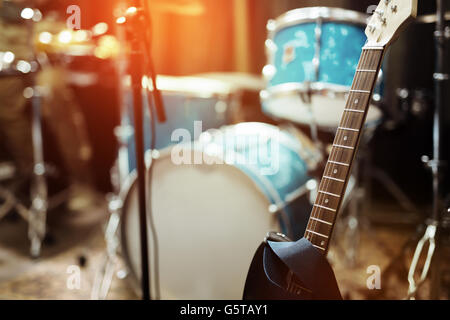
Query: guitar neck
x=338 y=168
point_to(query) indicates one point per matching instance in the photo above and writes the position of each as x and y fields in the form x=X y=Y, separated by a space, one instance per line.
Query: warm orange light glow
x=45 y=37
x=65 y=36
x=121 y=20
x=100 y=28
x=81 y=36
x=131 y=10
x=108 y=47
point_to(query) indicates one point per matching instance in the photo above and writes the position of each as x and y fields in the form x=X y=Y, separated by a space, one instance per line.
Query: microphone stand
x=137 y=20
x=135 y=25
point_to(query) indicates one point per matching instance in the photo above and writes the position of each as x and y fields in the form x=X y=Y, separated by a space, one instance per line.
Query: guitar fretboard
x=338 y=168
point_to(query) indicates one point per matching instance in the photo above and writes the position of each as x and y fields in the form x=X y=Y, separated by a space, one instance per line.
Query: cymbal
x=432 y=18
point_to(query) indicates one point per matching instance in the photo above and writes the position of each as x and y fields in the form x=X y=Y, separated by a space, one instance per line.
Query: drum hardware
x=36 y=214
x=431 y=18
x=104 y=275
x=434 y=225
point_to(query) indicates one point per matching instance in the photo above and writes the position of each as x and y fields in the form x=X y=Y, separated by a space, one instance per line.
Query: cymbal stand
x=104 y=276
x=432 y=232
x=39 y=190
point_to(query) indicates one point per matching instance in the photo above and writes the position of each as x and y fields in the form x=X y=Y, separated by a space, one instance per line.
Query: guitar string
x=346 y=122
x=324 y=183
x=359 y=79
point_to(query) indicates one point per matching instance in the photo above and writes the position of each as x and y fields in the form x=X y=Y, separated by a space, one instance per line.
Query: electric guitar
x=282 y=269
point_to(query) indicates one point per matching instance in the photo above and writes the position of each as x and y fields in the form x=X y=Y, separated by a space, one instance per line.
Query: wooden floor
x=75 y=236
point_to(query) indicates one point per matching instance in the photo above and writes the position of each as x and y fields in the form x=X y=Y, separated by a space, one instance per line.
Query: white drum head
x=209 y=220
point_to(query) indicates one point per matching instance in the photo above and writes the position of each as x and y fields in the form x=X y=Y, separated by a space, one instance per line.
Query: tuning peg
x=372 y=28
x=380 y=14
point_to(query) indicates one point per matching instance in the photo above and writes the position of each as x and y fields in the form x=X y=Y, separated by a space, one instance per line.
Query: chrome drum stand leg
x=39 y=196
x=429 y=237
x=104 y=276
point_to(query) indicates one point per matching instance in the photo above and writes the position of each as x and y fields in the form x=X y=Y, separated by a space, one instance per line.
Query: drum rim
x=129 y=182
x=289 y=88
x=320 y=88
x=176 y=85
x=312 y=14
x=294 y=88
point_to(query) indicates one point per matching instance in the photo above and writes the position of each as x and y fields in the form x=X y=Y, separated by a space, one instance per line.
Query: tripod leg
x=429 y=237
x=38 y=214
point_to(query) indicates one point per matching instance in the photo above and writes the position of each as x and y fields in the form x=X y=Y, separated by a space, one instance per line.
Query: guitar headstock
x=388 y=19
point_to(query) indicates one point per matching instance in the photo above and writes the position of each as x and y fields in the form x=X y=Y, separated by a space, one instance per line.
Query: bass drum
x=211 y=216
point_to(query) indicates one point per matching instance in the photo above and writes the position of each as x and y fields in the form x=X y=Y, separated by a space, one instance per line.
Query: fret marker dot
x=335 y=171
x=326 y=201
x=356 y=101
x=322 y=243
x=345 y=138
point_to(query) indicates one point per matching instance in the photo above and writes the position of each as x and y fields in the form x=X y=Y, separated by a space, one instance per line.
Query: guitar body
x=277 y=273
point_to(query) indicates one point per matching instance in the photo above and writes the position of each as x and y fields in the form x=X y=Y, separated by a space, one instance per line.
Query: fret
x=331 y=186
x=341 y=146
x=349 y=129
x=341 y=155
x=318 y=247
x=335 y=179
x=360 y=91
x=323 y=207
x=371 y=48
x=317 y=233
x=321 y=221
x=339 y=163
x=329 y=193
x=354 y=110
x=365 y=70
x=322 y=214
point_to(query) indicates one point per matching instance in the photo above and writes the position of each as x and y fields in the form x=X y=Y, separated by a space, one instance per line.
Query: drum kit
x=217 y=187
x=208 y=214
